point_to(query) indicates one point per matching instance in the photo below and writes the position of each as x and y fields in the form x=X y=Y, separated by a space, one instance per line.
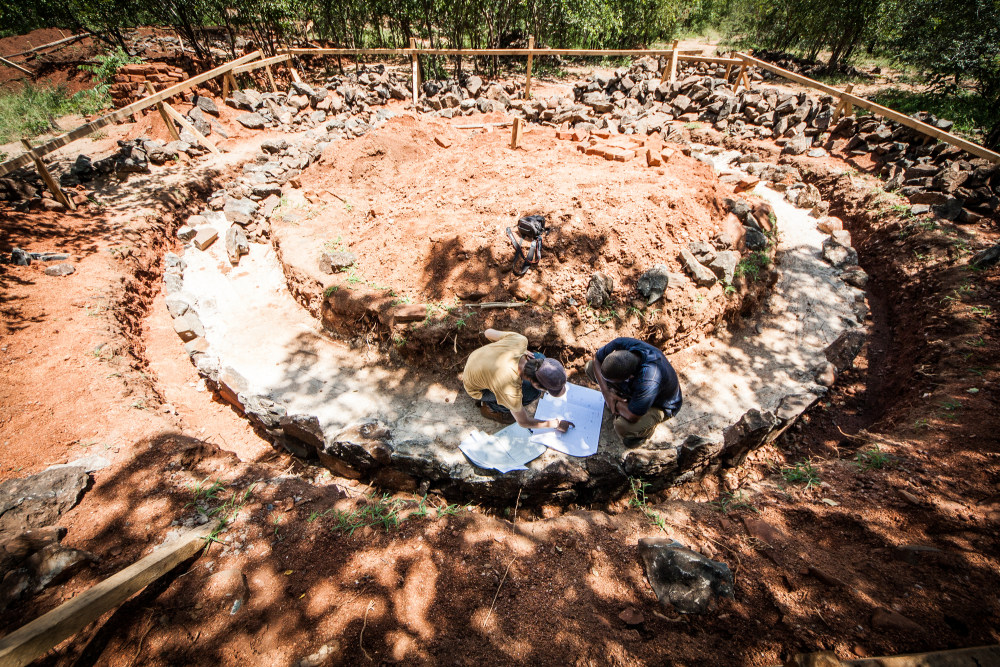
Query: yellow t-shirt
x=494 y=367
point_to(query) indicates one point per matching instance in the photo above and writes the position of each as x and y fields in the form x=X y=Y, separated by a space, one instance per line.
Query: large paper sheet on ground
x=580 y=405
x=508 y=449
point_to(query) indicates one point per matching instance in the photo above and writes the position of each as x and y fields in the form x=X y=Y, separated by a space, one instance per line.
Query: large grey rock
x=237 y=244
x=60 y=270
x=986 y=258
x=253 y=121
x=188 y=326
x=599 y=290
x=39 y=500
x=474 y=84
x=839 y=255
x=273 y=145
x=239 y=100
x=19 y=257
x=724 y=265
x=703 y=276
x=653 y=283
x=207 y=105
x=754 y=238
x=240 y=211
x=684 y=579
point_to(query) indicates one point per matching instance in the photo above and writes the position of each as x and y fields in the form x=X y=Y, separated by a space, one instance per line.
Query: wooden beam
x=123 y=113
x=415 y=64
x=163 y=114
x=527 y=82
x=515 y=133
x=744 y=79
x=16 y=66
x=270 y=78
x=45 y=46
x=27 y=643
x=50 y=182
x=273 y=60
x=183 y=122
x=295 y=74
x=673 y=62
x=843 y=105
x=877 y=109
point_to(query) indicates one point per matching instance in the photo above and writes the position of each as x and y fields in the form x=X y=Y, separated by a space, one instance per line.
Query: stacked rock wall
x=129 y=85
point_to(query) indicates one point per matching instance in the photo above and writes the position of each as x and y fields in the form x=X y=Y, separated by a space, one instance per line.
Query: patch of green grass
x=330 y=290
x=923 y=422
x=971 y=113
x=976 y=342
x=381 y=511
x=982 y=311
x=752 y=265
x=639 y=502
x=802 y=472
x=692 y=126
x=210 y=500
x=872 y=458
x=33 y=110
x=729 y=502
x=452 y=509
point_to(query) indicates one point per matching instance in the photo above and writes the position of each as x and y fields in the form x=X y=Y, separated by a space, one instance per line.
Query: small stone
x=60 y=270
x=186 y=233
x=442 y=142
x=724 y=265
x=188 y=326
x=631 y=616
x=599 y=289
x=332 y=262
x=19 y=257
x=273 y=145
x=237 y=244
x=703 y=276
x=653 y=283
x=253 y=121
x=754 y=238
x=207 y=105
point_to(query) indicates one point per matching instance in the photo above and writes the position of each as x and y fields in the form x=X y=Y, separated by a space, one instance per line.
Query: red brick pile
x=129 y=83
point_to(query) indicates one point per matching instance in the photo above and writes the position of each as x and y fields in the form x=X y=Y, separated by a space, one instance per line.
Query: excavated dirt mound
x=426 y=224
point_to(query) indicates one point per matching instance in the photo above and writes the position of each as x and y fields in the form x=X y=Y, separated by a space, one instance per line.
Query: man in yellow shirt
x=503 y=377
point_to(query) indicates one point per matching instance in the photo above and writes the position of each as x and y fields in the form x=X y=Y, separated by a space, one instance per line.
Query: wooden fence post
x=270 y=78
x=415 y=64
x=163 y=114
x=50 y=182
x=673 y=62
x=729 y=70
x=844 y=106
x=183 y=122
x=527 y=83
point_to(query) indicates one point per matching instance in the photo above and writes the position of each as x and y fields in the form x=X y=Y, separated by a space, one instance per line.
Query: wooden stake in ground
x=25 y=644
x=416 y=72
x=47 y=177
x=163 y=114
x=527 y=81
x=844 y=106
x=183 y=122
x=228 y=84
x=515 y=133
x=673 y=62
x=729 y=70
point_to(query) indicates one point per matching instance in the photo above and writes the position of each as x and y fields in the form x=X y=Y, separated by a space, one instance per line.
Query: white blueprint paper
x=580 y=405
x=509 y=449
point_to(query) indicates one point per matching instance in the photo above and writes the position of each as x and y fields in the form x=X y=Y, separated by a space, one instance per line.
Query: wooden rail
x=877 y=109
x=492 y=52
x=266 y=62
x=124 y=112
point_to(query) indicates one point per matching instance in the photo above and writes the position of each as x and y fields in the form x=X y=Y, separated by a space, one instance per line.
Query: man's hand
x=564 y=425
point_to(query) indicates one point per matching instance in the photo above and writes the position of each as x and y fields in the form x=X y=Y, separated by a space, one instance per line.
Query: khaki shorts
x=633 y=434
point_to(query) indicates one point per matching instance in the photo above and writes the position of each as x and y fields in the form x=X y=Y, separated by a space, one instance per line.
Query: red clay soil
x=48 y=67
x=875 y=557
x=427 y=225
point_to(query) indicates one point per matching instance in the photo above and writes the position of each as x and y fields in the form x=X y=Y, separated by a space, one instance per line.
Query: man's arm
x=524 y=421
x=609 y=396
x=494 y=335
x=648 y=387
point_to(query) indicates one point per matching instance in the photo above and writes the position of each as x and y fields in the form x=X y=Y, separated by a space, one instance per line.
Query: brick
x=408 y=313
x=442 y=142
x=563 y=134
x=602 y=135
x=579 y=135
x=204 y=237
x=666 y=154
x=652 y=159
x=582 y=148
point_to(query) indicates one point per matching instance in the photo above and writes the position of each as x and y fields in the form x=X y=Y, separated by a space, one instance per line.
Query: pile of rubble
x=934 y=176
x=450 y=99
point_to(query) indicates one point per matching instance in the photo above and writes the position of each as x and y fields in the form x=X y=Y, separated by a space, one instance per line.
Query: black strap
x=518 y=254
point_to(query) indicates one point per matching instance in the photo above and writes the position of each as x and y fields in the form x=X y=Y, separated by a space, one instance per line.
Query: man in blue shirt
x=640 y=387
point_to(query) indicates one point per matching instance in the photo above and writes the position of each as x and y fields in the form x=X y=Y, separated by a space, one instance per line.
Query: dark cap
x=552 y=377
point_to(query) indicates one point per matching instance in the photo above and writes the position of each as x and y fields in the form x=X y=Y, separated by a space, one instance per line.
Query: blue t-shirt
x=655 y=384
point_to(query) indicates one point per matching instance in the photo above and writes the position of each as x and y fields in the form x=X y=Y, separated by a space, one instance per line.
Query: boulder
x=60 y=270
x=684 y=579
x=754 y=238
x=40 y=499
x=332 y=262
x=206 y=104
x=724 y=265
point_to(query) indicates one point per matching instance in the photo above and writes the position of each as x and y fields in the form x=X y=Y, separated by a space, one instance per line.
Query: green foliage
x=752 y=265
x=970 y=112
x=639 y=502
x=729 y=502
x=33 y=110
x=802 y=472
x=872 y=458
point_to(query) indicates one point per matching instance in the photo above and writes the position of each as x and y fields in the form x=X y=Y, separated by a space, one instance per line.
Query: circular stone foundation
x=369 y=385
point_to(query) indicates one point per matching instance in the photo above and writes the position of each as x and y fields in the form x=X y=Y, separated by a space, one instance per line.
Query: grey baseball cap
x=552 y=376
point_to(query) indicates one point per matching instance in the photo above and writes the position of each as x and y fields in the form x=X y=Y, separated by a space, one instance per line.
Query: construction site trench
x=351 y=277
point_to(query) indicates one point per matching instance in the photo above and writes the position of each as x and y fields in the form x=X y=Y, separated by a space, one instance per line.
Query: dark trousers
x=528 y=394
